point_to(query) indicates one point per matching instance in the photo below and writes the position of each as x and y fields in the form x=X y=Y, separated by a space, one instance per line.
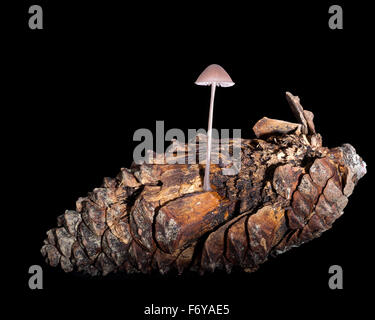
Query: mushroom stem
x=206 y=182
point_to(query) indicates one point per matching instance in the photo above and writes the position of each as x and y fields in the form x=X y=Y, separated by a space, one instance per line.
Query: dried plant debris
x=290 y=189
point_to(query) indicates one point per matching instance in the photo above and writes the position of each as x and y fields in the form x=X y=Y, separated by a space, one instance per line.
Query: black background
x=101 y=70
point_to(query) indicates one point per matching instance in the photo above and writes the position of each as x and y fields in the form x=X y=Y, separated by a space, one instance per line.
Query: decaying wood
x=267 y=126
x=289 y=190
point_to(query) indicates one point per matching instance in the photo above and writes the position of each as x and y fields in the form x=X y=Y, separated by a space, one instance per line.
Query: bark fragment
x=297 y=109
x=267 y=126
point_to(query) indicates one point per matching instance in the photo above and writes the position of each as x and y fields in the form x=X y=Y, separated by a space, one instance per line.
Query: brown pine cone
x=289 y=191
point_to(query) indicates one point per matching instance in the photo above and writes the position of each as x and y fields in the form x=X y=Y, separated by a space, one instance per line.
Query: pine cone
x=289 y=190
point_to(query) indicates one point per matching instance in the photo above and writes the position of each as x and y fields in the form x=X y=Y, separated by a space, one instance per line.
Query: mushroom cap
x=214 y=74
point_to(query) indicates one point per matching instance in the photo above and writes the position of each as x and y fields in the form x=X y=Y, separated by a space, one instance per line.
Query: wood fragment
x=309 y=116
x=267 y=126
x=297 y=110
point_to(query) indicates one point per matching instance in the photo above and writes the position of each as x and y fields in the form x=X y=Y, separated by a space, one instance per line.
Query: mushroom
x=214 y=75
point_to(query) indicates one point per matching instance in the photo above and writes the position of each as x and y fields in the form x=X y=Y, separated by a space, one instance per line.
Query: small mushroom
x=214 y=75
